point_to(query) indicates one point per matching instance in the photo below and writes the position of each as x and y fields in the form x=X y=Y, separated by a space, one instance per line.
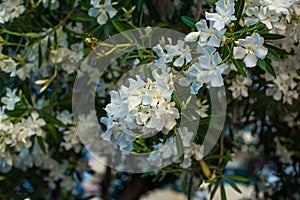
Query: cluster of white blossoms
x=209 y=36
x=181 y=51
x=16 y=137
x=10 y=9
x=67 y=56
x=239 y=86
x=272 y=13
x=144 y=107
x=103 y=11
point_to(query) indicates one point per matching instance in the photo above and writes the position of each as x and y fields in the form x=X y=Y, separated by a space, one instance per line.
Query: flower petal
x=239 y=52
x=250 y=60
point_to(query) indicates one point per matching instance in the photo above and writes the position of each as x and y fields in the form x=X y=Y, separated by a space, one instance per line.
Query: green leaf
x=139 y=5
x=84 y=5
x=223 y=192
x=239 y=7
x=16 y=112
x=179 y=144
x=234 y=186
x=262 y=64
x=270 y=68
x=153 y=11
x=184 y=184
x=211 y=2
x=213 y=191
x=273 y=55
x=41 y=144
x=33 y=35
x=121 y=27
x=266 y=66
x=270 y=36
x=190 y=189
x=50 y=118
x=236 y=178
x=240 y=66
x=40 y=61
x=27 y=94
x=81 y=18
x=190 y=22
x=278 y=50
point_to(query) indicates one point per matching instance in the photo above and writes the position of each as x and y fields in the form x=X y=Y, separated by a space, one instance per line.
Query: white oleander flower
x=141 y=108
x=224 y=15
x=65 y=117
x=239 y=86
x=269 y=18
x=279 y=6
x=163 y=153
x=186 y=136
x=71 y=140
x=205 y=36
x=209 y=70
x=10 y=9
x=10 y=99
x=250 y=49
x=180 y=53
x=9 y=66
x=194 y=150
x=102 y=11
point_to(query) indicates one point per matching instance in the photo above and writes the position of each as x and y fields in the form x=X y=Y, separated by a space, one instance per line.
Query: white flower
x=9 y=66
x=204 y=185
x=65 y=117
x=250 y=49
x=195 y=150
x=279 y=6
x=186 y=136
x=209 y=70
x=102 y=11
x=10 y=99
x=180 y=49
x=206 y=36
x=71 y=140
x=267 y=17
x=139 y=109
x=179 y=53
x=239 y=86
x=224 y=15
x=10 y=9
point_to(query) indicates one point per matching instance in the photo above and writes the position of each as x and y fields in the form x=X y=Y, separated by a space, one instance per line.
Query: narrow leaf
x=236 y=178
x=223 y=192
x=190 y=22
x=81 y=18
x=234 y=186
x=273 y=55
x=270 y=36
x=213 y=191
x=239 y=7
x=240 y=66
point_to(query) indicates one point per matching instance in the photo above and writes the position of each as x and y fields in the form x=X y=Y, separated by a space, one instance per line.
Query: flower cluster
x=141 y=108
x=10 y=10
